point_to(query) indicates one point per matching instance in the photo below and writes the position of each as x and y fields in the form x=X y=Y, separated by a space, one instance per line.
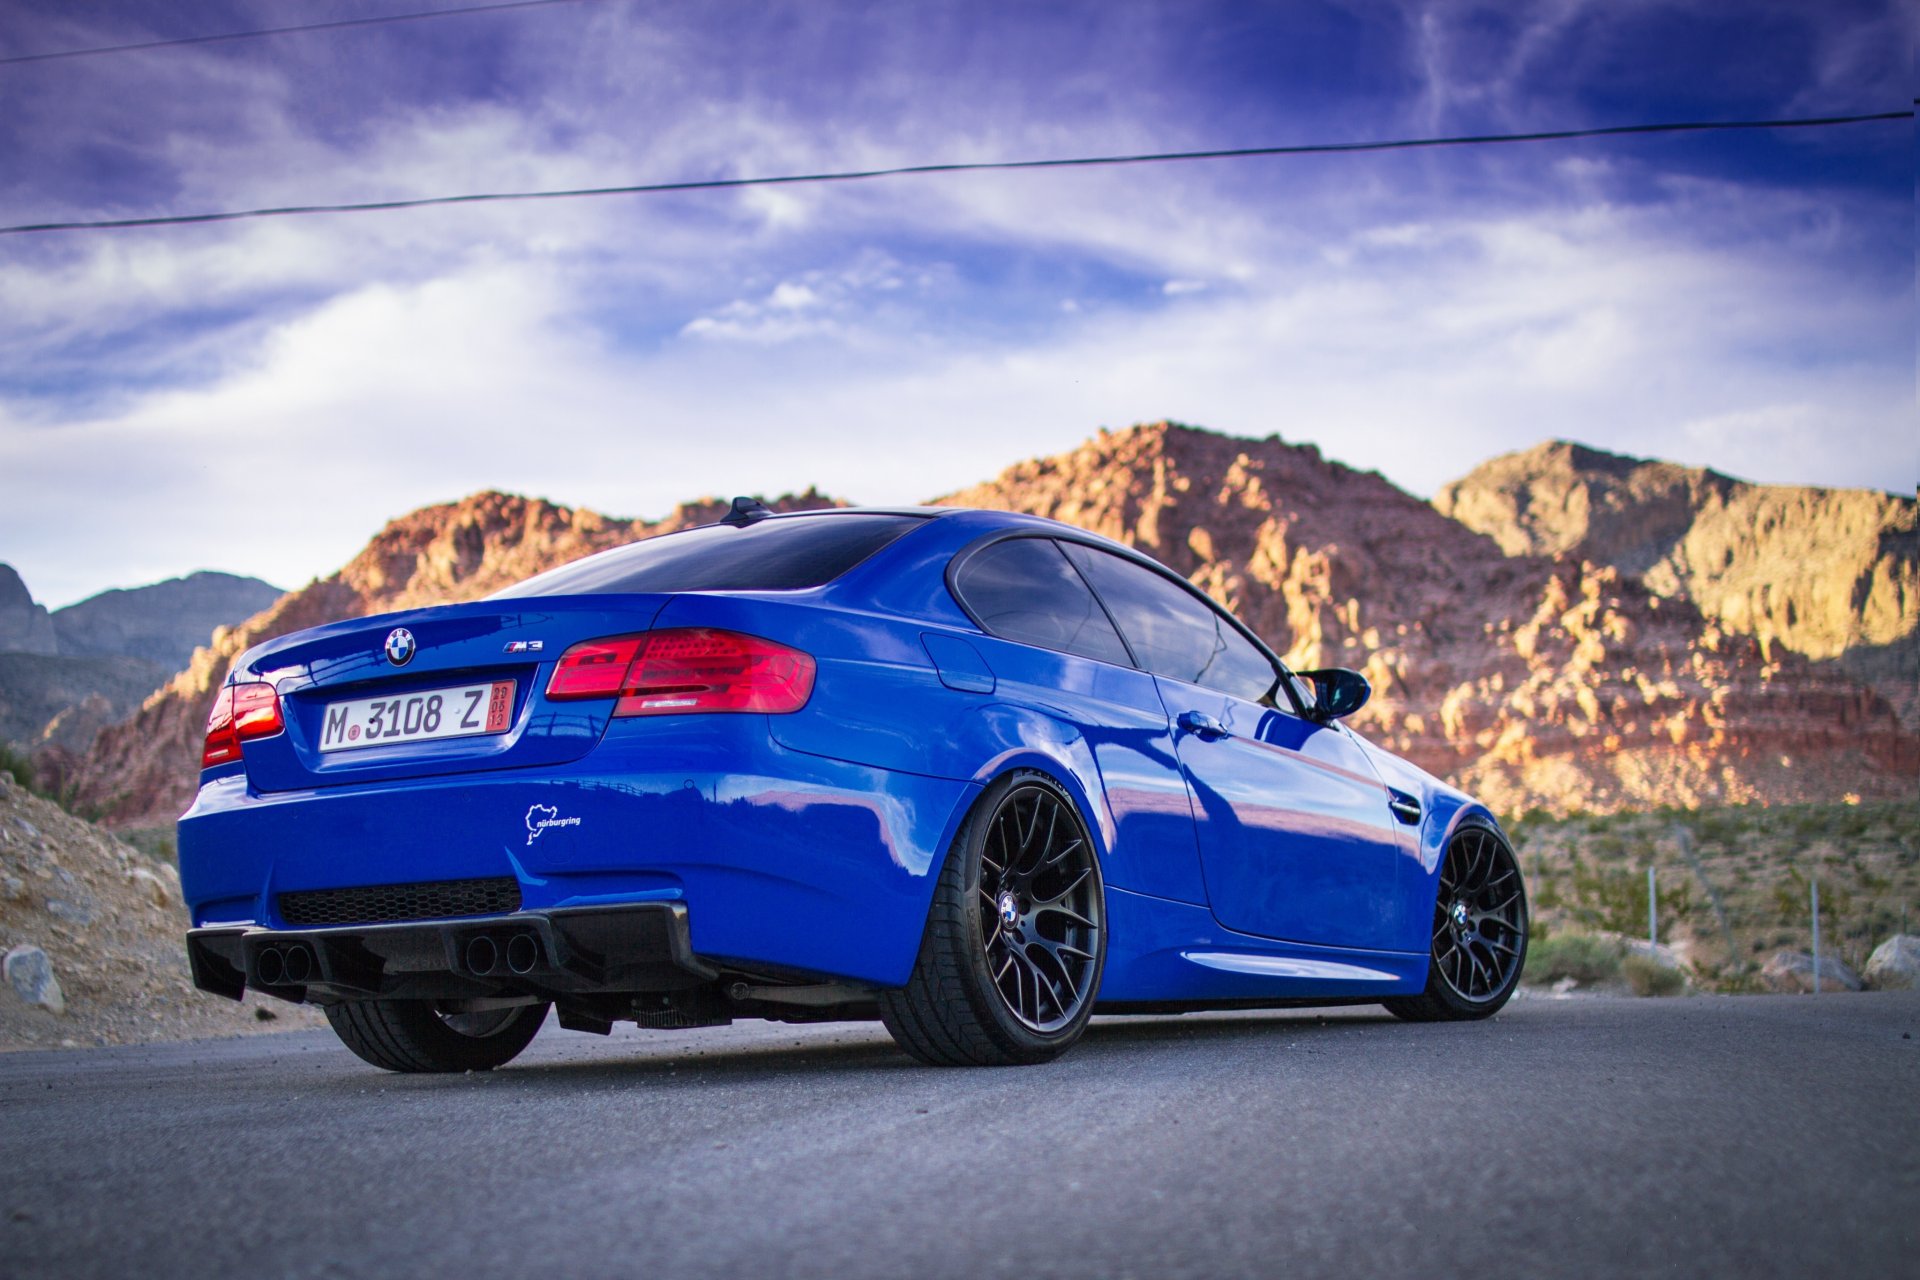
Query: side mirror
x=1337 y=693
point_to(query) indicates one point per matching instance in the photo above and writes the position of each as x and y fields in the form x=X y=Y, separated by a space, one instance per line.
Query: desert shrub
x=17 y=765
x=156 y=842
x=1546 y=892
x=1580 y=956
x=31 y=779
x=1609 y=846
x=1648 y=977
x=1615 y=899
x=1742 y=981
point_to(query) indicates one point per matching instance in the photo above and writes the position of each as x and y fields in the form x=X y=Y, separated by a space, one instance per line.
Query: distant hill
x=162 y=623
x=68 y=674
x=25 y=626
x=1831 y=574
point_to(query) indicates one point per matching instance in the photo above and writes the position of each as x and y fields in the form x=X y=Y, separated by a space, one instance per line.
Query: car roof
x=979 y=519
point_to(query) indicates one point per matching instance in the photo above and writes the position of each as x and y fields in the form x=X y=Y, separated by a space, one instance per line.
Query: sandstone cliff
x=143 y=771
x=1539 y=682
x=1831 y=574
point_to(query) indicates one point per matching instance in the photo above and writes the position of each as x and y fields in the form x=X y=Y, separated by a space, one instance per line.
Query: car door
x=1053 y=650
x=1295 y=837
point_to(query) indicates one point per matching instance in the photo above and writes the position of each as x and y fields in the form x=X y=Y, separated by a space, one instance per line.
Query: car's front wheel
x=416 y=1035
x=1479 y=931
x=1016 y=940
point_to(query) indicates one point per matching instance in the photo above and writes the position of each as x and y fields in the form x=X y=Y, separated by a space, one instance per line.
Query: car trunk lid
x=482 y=665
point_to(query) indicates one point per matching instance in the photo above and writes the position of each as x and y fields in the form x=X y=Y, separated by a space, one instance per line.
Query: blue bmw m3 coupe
x=977 y=775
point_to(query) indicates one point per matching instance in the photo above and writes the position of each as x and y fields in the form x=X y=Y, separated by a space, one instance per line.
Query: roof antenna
x=745 y=512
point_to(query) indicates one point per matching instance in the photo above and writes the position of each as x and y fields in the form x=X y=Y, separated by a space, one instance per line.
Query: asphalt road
x=1755 y=1136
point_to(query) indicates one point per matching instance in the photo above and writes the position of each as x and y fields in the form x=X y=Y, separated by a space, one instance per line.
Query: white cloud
x=788 y=296
x=1419 y=356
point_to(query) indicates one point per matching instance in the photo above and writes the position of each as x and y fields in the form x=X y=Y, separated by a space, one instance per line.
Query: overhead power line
x=379 y=21
x=982 y=166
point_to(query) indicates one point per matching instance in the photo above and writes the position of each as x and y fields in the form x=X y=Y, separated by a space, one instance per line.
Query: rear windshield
x=770 y=555
x=775 y=554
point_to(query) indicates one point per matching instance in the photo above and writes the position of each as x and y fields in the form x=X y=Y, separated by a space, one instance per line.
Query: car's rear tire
x=1015 y=943
x=1480 y=927
x=413 y=1035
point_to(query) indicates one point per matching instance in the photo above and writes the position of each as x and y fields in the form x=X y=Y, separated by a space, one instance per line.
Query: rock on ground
x=30 y=974
x=1791 y=972
x=1895 y=964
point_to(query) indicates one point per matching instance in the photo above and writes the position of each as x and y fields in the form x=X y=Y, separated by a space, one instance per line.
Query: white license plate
x=429 y=714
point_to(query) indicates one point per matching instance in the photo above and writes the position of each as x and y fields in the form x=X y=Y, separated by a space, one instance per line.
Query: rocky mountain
x=68 y=674
x=50 y=700
x=162 y=623
x=1539 y=681
x=1830 y=574
x=25 y=627
x=143 y=771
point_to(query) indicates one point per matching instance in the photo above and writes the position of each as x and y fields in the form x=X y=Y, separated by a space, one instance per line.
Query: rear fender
x=1010 y=739
x=1047 y=746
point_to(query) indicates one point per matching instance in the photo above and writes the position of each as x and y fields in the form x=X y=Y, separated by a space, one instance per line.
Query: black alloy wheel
x=1010 y=963
x=1040 y=908
x=1479 y=930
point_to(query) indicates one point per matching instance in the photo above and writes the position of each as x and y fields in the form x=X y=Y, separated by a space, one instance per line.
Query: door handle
x=1202 y=725
x=1404 y=807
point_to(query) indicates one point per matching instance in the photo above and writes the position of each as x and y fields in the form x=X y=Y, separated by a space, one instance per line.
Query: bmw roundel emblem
x=400 y=646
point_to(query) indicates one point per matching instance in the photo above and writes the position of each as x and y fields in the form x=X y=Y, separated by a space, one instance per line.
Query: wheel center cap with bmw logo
x=400 y=646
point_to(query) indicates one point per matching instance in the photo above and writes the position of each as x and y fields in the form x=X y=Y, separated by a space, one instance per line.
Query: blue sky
x=261 y=396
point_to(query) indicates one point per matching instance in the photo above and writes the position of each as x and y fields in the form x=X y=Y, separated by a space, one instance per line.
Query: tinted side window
x=1023 y=589
x=787 y=553
x=1173 y=632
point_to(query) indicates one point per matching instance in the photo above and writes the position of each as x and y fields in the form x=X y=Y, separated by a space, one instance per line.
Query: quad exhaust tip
x=482 y=956
x=519 y=954
x=299 y=965
x=296 y=965
x=276 y=966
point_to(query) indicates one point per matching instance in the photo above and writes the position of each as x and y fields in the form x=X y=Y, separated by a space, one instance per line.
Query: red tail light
x=685 y=671
x=242 y=712
x=594 y=668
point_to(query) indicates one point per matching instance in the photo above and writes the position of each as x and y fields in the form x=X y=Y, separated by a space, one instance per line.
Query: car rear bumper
x=782 y=860
x=645 y=947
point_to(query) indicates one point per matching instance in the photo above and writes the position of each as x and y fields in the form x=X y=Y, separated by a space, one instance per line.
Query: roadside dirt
x=111 y=923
